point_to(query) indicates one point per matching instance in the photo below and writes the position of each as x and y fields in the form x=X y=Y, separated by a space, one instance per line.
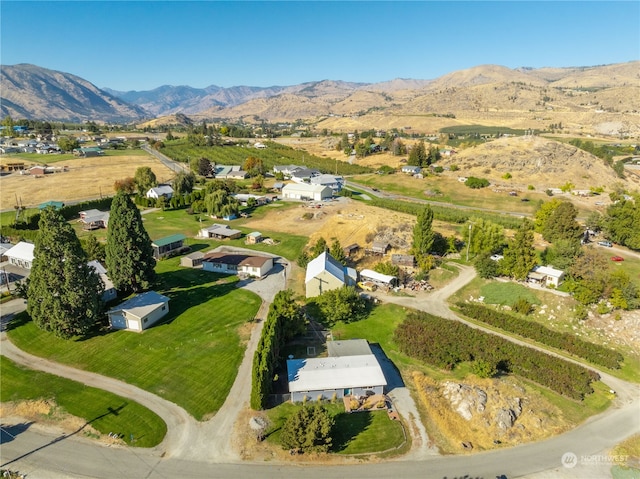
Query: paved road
x=42 y=455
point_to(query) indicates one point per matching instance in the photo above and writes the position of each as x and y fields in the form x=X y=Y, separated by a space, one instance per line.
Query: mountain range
x=605 y=97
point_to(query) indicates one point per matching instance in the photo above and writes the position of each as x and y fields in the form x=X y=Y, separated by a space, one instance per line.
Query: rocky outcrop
x=465 y=399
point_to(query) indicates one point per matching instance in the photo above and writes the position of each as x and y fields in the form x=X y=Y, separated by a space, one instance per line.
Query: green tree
x=544 y=212
x=423 y=235
x=486 y=236
x=308 y=430
x=588 y=276
x=94 y=249
x=318 y=248
x=342 y=304
x=129 y=254
x=219 y=203
x=486 y=267
x=183 y=183
x=483 y=369
x=337 y=252
x=562 y=224
x=144 y=179
x=68 y=143
x=254 y=166
x=385 y=267
x=290 y=314
x=561 y=254
x=520 y=256
x=64 y=292
x=418 y=155
x=622 y=220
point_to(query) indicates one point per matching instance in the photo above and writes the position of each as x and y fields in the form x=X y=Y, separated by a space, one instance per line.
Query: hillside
x=29 y=91
x=535 y=161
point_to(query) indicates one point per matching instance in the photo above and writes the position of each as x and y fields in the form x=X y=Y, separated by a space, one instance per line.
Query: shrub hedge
x=593 y=353
x=445 y=343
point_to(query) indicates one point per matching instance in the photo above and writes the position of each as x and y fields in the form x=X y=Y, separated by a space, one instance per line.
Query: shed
x=219 y=231
x=378 y=278
x=546 y=275
x=325 y=273
x=56 y=204
x=139 y=312
x=110 y=293
x=403 y=260
x=192 y=260
x=380 y=247
x=254 y=237
x=167 y=245
x=351 y=249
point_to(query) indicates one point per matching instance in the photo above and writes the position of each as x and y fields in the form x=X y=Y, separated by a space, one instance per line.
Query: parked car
x=367 y=285
x=608 y=244
x=617 y=258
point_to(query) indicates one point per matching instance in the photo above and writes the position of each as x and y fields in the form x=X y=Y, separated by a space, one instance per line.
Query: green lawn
x=105 y=412
x=190 y=359
x=507 y=293
x=355 y=433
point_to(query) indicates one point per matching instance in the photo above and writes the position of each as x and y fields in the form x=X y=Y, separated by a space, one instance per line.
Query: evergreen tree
x=129 y=254
x=308 y=430
x=520 y=256
x=64 y=293
x=94 y=249
x=319 y=248
x=418 y=155
x=337 y=252
x=423 y=235
x=562 y=224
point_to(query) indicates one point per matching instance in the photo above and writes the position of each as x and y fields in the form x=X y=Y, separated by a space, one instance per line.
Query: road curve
x=41 y=455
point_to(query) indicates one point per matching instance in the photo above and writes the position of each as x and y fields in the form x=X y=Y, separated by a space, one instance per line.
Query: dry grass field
x=86 y=178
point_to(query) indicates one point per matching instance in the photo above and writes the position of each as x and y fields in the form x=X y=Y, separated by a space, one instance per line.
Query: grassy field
x=449 y=190
x=190 y=359
x=104 y=411
x=507 y=293
x=356 y=433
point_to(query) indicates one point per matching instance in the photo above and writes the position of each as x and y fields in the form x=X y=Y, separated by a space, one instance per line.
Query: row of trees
x=285 y=320
x=568 y=342
x=63 y=292
x=444 y=343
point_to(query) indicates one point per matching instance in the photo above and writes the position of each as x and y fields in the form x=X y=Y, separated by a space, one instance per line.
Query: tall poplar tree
x=520 y=255
x=64 y=293
x=423 y=235
x=129 y=254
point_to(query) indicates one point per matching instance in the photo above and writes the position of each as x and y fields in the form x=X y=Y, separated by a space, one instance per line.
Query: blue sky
x=143 y=45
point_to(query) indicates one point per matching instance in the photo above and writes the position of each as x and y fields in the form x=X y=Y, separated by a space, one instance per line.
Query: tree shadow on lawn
x=347 y=427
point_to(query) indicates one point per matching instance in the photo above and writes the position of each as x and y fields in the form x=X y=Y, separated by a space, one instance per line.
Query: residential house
x=304 y=175
x=94 y=219
x=411 y=170
x=21 y=255
x=334 y=182
x=139 y=312
x=218 y=231
x=160 y=190
x=546 y=276
x=235 y=263
x=110 y=292
x=165 y=246
x=243 y=199
x=306 y=192
x=88 y=152
x=350 y=369
x=325 y=273
x=287 y=170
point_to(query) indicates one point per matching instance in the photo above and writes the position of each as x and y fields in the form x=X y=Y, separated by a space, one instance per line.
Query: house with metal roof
x=546 y=275
x=218 y=231
x=325 y=273
x=160 y=190
x=351 y=369
x=306 y=192
x=234 y=263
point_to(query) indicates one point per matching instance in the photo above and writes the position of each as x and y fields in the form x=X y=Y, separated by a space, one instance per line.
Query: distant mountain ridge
x=521 y=98
x=29 y=91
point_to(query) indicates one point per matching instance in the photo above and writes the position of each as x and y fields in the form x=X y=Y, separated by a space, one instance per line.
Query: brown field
x=86 y=178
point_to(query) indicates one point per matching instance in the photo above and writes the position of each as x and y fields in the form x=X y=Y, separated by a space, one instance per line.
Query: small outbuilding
x=110 y=293
x=547 y=276
x=306 y=192
x=254 y=237
x=403 y=260
x=192 y=260
x=165 y=246
x=139 y=312
x=378 y=278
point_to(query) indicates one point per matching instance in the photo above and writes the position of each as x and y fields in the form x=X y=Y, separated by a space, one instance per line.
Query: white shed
x=21 y=255
x=378 y=278
x=139 y=312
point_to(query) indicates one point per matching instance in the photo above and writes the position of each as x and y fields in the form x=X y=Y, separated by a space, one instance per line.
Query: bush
x=476 y=183
x=522 y=306
x=342 y=304
x=483 y=369
x=308 y=430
